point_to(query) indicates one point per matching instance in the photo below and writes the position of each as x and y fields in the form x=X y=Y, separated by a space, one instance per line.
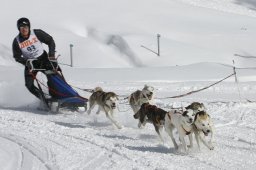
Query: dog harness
x=187 y=132
x=169 y=116
x=195 y=126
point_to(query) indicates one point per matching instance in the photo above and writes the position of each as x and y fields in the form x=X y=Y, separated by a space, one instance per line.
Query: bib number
x=31 y=48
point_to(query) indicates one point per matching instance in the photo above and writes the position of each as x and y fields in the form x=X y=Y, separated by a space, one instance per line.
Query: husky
x=203 y=126
x=137 y=98
x=183 y=122
x=196 y=107
x=107 y=102
x=152 y=114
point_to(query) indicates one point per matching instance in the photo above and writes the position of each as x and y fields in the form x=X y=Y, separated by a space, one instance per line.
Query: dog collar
x=187 y=132
x=195 y=126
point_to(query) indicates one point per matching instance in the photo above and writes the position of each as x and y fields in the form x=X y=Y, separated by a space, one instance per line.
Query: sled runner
x=61 y=94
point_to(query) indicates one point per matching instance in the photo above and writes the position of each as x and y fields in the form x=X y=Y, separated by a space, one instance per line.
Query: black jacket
x=42 y=36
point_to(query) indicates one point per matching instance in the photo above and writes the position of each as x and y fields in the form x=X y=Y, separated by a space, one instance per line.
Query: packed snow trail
x=71 y=140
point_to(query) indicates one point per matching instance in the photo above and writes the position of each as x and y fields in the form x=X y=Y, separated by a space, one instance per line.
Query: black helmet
x=23 y=22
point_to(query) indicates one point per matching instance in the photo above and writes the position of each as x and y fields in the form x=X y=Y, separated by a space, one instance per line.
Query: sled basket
x=62 y=92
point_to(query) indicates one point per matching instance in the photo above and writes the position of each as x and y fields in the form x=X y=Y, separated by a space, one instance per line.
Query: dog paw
x=88 y=112
x=190 y=146
x=211 y=147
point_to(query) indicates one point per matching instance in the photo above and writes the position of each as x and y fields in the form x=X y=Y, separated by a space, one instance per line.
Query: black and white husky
x=107 y=102
x=196 y=107
x=183 y=122
x=152 y=114
x=137 y=98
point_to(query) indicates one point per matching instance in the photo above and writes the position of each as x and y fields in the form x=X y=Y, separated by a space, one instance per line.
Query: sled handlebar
x=31 y=67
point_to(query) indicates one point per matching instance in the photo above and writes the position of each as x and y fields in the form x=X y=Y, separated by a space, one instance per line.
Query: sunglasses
x=24 y=27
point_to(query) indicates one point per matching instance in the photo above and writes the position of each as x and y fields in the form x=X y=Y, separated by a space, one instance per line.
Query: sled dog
x=196 y=107
x=137 y=98
x=107 y=102
x=152 y=114
x=203 y=126
x=183 y=122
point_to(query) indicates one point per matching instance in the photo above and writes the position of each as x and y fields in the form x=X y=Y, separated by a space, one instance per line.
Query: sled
x=60 y=93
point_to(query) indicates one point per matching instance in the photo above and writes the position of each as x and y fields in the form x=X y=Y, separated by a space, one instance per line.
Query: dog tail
x=129 y=98
x=98 y=89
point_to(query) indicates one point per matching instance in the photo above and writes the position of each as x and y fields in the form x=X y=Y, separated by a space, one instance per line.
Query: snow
x=199 y=39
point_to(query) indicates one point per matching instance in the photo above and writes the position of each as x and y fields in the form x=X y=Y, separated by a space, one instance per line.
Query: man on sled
x=28 y=50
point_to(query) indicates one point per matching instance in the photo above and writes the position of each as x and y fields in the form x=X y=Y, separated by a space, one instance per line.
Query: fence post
x=238 y=88
x=234 y=70
x=236 y=80
x=158 y=44
x=71 y=55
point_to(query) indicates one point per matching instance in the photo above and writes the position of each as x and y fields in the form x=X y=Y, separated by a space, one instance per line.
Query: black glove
x=30 y=64
x=53 y=61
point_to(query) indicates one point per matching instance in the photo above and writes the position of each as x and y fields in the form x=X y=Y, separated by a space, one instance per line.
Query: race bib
x=32 y=47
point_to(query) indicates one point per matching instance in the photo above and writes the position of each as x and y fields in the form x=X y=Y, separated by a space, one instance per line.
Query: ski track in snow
x=80 y=141
x=25 y=153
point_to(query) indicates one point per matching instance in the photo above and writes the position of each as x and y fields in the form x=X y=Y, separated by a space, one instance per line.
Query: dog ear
x=184 y=113
x=144 y=88
x=104 y=96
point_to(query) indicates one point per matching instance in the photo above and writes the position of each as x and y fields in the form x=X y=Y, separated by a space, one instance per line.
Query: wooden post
x=158 y=44
x=239 y=93
x=234 y=70
x=71 y=55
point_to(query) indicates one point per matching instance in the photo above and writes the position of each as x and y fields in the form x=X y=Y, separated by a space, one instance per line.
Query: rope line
x=87 y=90
x=245 y=68
x=195 y=91
x=177 y=96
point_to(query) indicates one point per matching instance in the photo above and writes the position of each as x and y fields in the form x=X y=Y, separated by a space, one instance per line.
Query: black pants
x=42 y=62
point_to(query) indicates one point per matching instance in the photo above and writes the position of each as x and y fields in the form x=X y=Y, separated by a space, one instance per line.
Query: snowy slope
x=111 y=34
